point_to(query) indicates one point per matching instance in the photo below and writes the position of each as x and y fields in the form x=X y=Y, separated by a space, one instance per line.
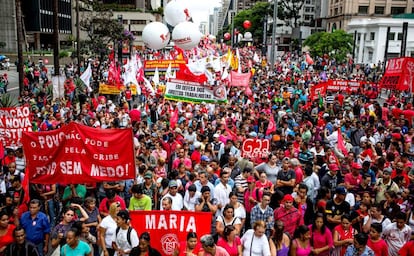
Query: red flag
x=185 y=74
x=341 y=144
x=25 y=185
x=1 y=150
x=240 y=79
x=232 y=134
x=174 y=118
x=309 y=59
x=271 y=127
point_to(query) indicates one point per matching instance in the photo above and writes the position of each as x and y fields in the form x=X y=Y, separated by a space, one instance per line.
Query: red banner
x=13 y=122
x=399 y=74
x=79 y=154
x=318 y=89
x=255 y=148
x=168 y=228
x=240 y=79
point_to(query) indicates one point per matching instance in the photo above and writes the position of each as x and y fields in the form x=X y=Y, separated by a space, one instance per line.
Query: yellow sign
x=114 y=90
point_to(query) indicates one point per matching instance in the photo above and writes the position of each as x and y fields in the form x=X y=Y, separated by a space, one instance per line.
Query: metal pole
x=264 y=35
x=272 y=52
x=78 y=36
x=232 y=28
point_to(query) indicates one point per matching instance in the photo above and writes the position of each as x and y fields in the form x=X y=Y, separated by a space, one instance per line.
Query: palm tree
x=20 y=43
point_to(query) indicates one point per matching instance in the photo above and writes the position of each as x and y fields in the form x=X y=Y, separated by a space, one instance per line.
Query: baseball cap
x=340 y=190
x=172 y=183
x=205 y=158
x=253 y=134
x=387 y=170
x=148 y=175
x=333 y=167
x=356 y=165
x=288 y=198
x=216 y=135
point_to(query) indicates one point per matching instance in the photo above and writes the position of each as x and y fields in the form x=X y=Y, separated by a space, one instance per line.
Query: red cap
x=333 y=167
x=396 y=136
x=356 y=166
x=288 y=197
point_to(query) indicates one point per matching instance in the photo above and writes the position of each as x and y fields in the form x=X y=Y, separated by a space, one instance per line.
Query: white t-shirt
x=121 y=240
x=110 y=225
x=255 y=246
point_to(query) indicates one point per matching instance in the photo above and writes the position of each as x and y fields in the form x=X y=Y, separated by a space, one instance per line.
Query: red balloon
x=247 y=24
x=227 y=36
x=46 y=61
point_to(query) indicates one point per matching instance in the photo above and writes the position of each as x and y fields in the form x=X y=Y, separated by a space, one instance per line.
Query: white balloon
x=175 y=12
x=248 y=35
x=186 y=35
x=155 y=35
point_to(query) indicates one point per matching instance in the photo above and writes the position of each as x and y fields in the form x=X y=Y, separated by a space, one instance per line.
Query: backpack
x=128 y=234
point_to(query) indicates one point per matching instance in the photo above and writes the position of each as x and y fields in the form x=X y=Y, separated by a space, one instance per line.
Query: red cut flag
x=309 y=59
x=232 y=134
x=271 y=127
x=174 y=118
x=341 y=144
x=25 y=185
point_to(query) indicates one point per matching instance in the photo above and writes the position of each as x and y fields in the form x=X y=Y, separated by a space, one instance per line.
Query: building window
x=397 y=10
x=372 y=36
x=362 y=9
x=400 y=36
x=138 y=22
x=391 y=36
x=379 y=9
x=370 y=55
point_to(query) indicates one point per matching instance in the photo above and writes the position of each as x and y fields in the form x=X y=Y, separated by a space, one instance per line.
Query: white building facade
x=371 y=38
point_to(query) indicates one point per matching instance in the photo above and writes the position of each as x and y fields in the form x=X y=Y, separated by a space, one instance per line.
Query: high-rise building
x=340 y=12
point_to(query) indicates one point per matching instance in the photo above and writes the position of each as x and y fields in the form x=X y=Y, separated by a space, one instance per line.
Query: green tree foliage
x=256 y=16
x=336 y=44
x=289 y=11
x=101 y=27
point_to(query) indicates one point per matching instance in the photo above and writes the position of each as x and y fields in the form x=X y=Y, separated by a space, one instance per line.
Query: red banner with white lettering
x=255 y=148
x=168 y=228
x=240 y=79
x=79 y=154
x=318 y=89
x=13 y=122
x=399 y=74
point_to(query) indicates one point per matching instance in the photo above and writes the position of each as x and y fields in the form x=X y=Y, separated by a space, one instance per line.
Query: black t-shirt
x=334 y=209
x=286 y=176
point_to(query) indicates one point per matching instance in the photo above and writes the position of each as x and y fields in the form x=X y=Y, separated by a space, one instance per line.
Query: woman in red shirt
x=189 y=247
x=230 y=241
x=6 y=231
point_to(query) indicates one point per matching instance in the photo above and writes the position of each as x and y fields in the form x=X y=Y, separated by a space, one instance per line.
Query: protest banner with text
x=255 y=148
x=169 y=228
x=194 y=92
x=162 y=65
x=79 y=154
x=399 y=74
x=13 y=122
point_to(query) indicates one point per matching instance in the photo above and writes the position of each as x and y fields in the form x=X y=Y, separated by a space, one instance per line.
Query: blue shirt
x=35 y=228
x=80 y=250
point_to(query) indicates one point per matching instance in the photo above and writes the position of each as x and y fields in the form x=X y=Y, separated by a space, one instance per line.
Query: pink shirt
x=187 y=162
x=320 y=240
x=232 y=250
x=220 y=251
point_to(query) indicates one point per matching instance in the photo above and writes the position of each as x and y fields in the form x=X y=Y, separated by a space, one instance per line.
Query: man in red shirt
x=135 y=114
x=287 y=213
x=354 y=178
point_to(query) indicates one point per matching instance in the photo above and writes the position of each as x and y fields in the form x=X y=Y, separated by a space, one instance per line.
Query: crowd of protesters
x=307 y=197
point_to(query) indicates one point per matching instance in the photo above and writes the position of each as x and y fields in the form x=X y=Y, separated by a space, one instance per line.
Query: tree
x=256 y=15
x=336 y=44
x=289 y=12
x=102 y=29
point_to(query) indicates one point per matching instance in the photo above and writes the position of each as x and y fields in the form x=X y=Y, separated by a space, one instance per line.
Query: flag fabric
x=240 y=79
x=309 y=59
x=341 y=143
x=156 y=77
x=168 y=73
x=256 y=58
x=320 y=99
x=184 y=73
x=26 y=188
x=174 y=118
x=271 y=127
x=149 y=87
x=239 y=69
x=86 y=77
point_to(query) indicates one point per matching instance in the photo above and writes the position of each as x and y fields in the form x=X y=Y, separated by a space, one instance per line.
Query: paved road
x=13 y=76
